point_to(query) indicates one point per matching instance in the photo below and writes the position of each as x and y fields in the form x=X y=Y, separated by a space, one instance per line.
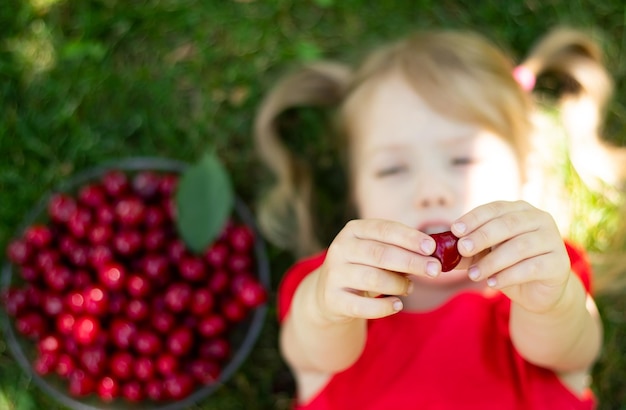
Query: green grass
x=85 y=81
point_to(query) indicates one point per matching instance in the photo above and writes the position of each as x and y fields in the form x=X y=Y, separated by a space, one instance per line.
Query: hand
x=369 y=258
x=527 y=260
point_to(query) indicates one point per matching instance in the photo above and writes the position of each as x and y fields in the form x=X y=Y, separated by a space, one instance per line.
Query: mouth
x=434 y=227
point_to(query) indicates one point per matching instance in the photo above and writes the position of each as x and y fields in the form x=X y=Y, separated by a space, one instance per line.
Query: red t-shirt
x=458 y=356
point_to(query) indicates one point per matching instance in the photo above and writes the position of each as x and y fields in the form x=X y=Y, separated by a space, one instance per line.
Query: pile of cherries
x=113 y=301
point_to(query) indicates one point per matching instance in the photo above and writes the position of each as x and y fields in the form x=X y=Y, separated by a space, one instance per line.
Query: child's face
x=415 y=166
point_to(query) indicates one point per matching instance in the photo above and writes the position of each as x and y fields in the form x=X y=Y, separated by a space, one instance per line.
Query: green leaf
x=204 y=201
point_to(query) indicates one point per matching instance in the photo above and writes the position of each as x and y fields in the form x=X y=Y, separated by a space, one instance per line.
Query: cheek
x=497 y=180
x=375 y=200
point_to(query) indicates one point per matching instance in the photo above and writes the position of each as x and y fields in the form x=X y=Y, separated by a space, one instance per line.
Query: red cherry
x=178 y=296
x=180 y=341
x=166 y=364
x=154 y=216
x=176 y=249
x=217 y=349
x=219 y=281
x=147 y=343
x=212 y=325
x=202 y=301
x=96 y=300
x=112 y=276
x=163 y=321
x=47 y=258
x=251 y=293
x=93 y=359
x=52 y=304
x=132 y=391
x=178 y=386
x=61 y=207
x=130 y=211
x=233 y=309
x=65 y=365
x=241 y=238
x=156 y=268
x=99 y=255
x=217 y=254
x=80 y=383
x=446 y=251
x=239 y=262
x=122 y=332
x=205 y=371
x=155 y=390
x=192 y=268
x=31 y=324
x=75 y=301
x=108 y=389
x=15 y=301
x=144 y=368
x=115 y=182
x=79 y=255
x=86 y=330
x=38 y=236
x=127 y=242
x=79 y=223
x=29 y=273
x=92 y=195
x=122 y=365
x=65 y=323
x=146 y=184
x=138 y=286
x=100 y=234
x=105 y=214
x=46 y=363
x=19 y=251
x=137 y=310
x=168 y=185
x=58 y=277
x=49 y=344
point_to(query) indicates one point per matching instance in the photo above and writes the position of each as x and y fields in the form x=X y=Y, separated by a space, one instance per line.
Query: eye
x=462 y=161
x=389 y=171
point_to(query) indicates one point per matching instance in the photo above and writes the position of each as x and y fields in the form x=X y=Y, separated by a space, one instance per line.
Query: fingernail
x=432 y=269
x=428 y=246
x=473 y=273
x=467 y=244
x=491 y=282
x=397 y=305
x=459 y=227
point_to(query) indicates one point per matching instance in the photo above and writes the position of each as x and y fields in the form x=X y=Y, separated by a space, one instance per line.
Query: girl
x=439 y=137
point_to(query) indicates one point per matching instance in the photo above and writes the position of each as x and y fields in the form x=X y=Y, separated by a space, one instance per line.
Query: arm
x=566 y=338
x=553 y=323
x=329 y=311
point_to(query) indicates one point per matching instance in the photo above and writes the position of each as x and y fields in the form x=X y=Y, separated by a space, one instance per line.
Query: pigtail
x=586 y=87
x=284 y=214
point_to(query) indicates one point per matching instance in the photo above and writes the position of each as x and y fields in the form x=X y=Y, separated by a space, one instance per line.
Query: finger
x=392 y=233
x=507 y=254
x=528 y=270
x=353 y=305
x=499 y=230
x=390 y=257
x=478 y=216
x=369 y=279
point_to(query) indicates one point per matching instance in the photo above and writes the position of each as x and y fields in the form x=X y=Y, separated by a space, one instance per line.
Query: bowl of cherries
x=119 y=292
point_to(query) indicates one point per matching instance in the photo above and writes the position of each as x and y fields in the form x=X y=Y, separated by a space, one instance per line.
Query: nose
x=433 y=190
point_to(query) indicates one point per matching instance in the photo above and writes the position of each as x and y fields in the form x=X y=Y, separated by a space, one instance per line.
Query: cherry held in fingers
x=446 y=251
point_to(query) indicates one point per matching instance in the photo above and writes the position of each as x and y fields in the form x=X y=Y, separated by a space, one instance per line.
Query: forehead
x=389 y=110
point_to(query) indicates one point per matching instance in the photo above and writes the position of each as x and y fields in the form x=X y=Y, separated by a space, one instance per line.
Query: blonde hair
x=460 y=74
